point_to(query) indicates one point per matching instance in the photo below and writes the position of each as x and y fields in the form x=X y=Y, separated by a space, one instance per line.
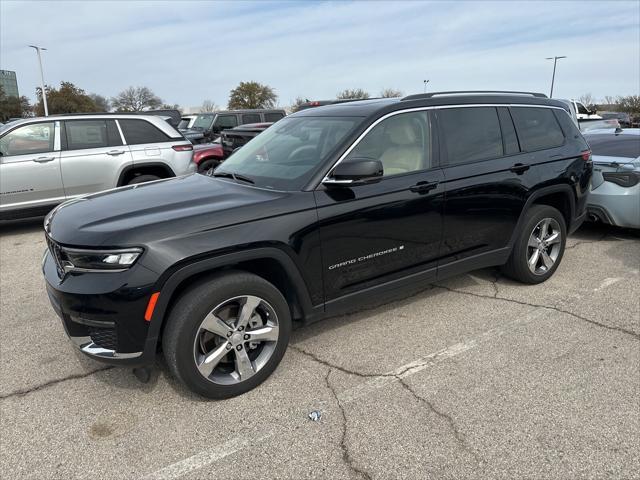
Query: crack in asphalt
x=459 y=436
x=587 y=242
x=549 y=307
x=346 y=455
x=334 y=366
x=42 y=386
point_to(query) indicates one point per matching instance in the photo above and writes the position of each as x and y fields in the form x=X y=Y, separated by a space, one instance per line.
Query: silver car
x=45 y=161
x=615 y=189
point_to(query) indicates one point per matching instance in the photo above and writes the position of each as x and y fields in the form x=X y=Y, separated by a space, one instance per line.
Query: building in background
x=9 y=83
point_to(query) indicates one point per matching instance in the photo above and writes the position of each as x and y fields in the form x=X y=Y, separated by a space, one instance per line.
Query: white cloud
x=189 y=51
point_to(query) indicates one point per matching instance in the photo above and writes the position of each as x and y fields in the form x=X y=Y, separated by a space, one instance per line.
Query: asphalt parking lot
x=476 y=377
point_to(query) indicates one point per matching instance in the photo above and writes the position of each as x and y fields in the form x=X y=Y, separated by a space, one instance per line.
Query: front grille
x=104 y=337
x=56 y=253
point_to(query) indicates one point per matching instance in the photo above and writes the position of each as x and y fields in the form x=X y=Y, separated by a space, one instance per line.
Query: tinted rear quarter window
x=537 y=128
x=250 y=118
x=612 y=145
x=226 y=121
x=273 y=117
x=470 y=134
x=140 y=131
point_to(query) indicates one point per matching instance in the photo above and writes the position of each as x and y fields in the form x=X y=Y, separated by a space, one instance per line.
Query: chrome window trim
x=420 y=109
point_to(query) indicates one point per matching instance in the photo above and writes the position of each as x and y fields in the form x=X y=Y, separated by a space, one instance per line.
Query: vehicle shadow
x=24 y=225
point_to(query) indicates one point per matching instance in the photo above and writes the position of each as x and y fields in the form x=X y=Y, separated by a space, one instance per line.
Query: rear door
x=93 y=155
x=30 y=167
x=487 y=181
x=148 y=144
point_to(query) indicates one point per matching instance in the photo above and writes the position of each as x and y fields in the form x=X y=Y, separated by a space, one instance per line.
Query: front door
x=30 y=167
x=380 y=232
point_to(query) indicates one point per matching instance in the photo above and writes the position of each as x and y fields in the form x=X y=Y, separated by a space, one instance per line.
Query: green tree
x=252 y=95
x=66 y=99
x=391 y=93
x=135 y=99
x=352 y=94
x=101 y=102
x=11 y=106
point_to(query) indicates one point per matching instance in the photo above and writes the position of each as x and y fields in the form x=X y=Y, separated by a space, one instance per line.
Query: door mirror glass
x=356 y=171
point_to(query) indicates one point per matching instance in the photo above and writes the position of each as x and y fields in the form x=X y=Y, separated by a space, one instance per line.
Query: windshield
x=203 y=122
x=286 y=155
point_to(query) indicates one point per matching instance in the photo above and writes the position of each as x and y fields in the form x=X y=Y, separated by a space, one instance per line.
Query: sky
x=187 y=52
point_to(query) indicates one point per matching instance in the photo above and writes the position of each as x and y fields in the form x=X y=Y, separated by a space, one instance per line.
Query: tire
x=143 y=179
x=187 y=344
x=207 y=164
x=518 y=265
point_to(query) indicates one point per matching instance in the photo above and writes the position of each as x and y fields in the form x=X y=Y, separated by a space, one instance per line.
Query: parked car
x=207 y=156
x=590 y=125
x=583 y=112
x=615 y=191
x=327 y=209
x=235 y=138
x=211 y=124
x=44 y=161
x=623 y=118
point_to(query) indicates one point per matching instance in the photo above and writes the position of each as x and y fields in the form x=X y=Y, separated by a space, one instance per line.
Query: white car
x=47 y=160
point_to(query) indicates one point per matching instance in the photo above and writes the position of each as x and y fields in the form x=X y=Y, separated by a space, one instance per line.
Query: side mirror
x=357 y=171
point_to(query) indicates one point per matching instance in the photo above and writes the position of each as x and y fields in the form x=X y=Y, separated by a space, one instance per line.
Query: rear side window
x=226 y=121
x=84 y=134
x=273 y=117
x=140 y=131
x=537 y=128
x=250 y=118
x=470 y=134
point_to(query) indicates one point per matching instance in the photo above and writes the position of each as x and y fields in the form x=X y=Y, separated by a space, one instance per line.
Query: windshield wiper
x=235 y=176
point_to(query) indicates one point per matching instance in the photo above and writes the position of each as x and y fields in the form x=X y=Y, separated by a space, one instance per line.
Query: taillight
x=183 y=148
x=624 y=179
x=586 y=155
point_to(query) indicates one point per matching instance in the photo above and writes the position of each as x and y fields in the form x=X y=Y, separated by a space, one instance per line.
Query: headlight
x=81 y=260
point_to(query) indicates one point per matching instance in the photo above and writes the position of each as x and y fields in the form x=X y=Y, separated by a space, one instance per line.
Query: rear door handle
x=520 y=168
x=44 y=159
x=423 y=187
x=115 y=152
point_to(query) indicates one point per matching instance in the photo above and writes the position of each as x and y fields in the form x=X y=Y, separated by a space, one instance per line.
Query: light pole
x=555 y=60
x=44 y=93
x=425 y=85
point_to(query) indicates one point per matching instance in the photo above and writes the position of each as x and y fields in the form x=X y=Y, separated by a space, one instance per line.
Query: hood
x=138 y=214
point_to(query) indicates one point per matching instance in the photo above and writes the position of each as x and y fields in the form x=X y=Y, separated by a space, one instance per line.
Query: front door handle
x=44 y=159
x=520 y=168
x=115 y=152
x=423 y=187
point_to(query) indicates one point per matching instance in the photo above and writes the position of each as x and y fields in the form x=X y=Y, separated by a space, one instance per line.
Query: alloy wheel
x=236 y=339
x=544 y=246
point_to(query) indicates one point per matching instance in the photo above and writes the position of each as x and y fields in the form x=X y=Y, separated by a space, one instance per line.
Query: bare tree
x=609 y=100
x=209 y=106
x=629 y=104
x=391 y=93
x=135 y=99
x=295 y=106
x=587 y=100
x=352 y=94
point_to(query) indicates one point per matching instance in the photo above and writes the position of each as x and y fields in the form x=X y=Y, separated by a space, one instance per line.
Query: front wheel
x=226 y=336
x=539 y=248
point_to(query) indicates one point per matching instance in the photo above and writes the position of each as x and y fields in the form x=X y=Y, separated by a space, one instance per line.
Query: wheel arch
x=147 y=168
x=269 y=263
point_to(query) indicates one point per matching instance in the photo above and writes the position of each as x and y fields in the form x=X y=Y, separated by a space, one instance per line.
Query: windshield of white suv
x=287 y=154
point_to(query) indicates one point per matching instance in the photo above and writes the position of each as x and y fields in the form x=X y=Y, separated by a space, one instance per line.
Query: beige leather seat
x=405 y=154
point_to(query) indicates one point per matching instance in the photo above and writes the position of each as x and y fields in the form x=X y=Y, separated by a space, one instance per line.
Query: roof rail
x=466 y=92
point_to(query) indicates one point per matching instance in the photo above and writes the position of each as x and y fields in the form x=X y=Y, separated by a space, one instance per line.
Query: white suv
x=45 y=161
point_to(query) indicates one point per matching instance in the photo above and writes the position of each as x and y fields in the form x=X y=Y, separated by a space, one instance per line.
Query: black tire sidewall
x=142 y=179
x=520 y=268
x=195 y=305
x=206 y=165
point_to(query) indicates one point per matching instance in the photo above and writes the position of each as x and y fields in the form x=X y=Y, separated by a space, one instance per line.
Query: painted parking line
x=219 y=452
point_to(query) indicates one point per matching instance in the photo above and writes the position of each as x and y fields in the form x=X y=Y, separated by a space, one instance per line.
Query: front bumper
x=103 y=313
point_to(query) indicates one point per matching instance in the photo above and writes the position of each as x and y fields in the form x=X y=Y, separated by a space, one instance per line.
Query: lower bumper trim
x=86 y=346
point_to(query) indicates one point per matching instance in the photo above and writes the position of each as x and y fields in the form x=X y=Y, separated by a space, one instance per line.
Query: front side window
x=401 y=143
x=203 y=122
x=250 y=118
x=30 y=139
x=471 y=134
x=286 y=155
x=137 y=132
x=537 y=128
x=582 y=109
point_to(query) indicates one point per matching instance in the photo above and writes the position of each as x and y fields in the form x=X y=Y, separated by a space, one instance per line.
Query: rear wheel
x=539 y=248
x=227 y=335
x=142 y=179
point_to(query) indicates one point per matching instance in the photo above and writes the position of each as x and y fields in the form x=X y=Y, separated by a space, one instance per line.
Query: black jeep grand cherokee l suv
x=329 y=207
